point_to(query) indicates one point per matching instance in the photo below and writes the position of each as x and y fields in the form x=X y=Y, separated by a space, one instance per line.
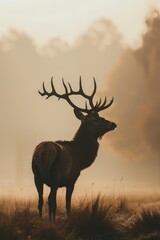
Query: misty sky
x=43 y=20
x=100 y=33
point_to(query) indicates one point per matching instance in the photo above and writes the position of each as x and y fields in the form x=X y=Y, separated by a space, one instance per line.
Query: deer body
x=58 y=164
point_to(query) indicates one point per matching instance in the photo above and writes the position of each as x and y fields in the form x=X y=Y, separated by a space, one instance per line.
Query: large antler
x=99 y=106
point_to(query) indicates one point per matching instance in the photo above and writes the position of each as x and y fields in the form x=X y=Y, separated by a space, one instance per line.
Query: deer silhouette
x=58 y=164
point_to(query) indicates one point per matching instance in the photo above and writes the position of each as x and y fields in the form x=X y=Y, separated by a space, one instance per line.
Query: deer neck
x=86 y=146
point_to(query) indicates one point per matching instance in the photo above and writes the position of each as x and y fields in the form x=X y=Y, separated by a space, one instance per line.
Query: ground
x=96 y=218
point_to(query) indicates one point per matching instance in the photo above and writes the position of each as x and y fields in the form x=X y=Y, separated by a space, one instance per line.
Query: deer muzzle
x=112 y=126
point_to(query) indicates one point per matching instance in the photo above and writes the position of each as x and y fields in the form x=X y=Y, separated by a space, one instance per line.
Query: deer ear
x=79 y=114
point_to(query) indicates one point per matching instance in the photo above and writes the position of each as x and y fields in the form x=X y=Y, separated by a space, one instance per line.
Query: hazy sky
x=44 y=19
x=28 y=119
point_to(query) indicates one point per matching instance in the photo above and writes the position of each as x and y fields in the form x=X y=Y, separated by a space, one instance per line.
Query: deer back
x=56 y=163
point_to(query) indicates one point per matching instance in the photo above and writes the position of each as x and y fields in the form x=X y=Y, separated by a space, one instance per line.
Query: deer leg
x=52 y=203
x=39 y=186
x=69 y=191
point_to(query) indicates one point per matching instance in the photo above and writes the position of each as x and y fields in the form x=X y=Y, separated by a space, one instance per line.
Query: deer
x=59 y=164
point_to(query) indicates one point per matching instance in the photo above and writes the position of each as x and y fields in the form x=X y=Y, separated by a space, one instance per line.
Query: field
x=100 y=218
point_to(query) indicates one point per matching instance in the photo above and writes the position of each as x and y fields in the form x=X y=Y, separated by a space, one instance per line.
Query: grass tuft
x=93 y=221
x=147 y=221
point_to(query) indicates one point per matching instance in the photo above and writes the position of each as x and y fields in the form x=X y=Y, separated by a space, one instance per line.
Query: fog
x=26 y=117
x=135 y=83
x=130 y=75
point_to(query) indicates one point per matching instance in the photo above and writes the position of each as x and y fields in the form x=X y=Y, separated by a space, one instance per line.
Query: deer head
x=89 y=116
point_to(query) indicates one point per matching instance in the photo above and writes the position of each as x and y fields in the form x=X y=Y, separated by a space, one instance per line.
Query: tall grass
x=147 y=222
x=98 y=218
x=94 y=221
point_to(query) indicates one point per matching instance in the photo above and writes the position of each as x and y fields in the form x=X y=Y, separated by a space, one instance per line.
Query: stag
x=58 y=164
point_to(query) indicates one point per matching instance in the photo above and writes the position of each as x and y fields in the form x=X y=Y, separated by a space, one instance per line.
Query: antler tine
x=52 y=85
x=104 y=102
x=71 y=90
x=65 y=87
x=109 y=104
x=80 y=84
x=89 y=97
x=92 y=95
x=104 y=106
x=44 y=92
x=95 y=87
x=53 y=89
x=99 y=103
x=81 y=89
x=96 y=104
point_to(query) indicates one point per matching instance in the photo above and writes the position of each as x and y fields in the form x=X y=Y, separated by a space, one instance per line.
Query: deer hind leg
x=39 y=186
x=69 y=191
x=52 y=203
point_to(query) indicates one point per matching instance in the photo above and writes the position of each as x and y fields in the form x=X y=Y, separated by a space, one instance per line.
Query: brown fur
x=58 y=164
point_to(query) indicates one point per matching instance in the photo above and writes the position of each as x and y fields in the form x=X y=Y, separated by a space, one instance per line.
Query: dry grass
x=100 y=218
x=147 y=223
x=94 y=221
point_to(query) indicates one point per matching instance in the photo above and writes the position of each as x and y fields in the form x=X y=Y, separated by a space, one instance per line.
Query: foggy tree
x=135 y=83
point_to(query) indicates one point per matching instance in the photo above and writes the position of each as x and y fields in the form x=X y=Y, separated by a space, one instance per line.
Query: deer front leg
x=52 y=203
x=69 y=191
